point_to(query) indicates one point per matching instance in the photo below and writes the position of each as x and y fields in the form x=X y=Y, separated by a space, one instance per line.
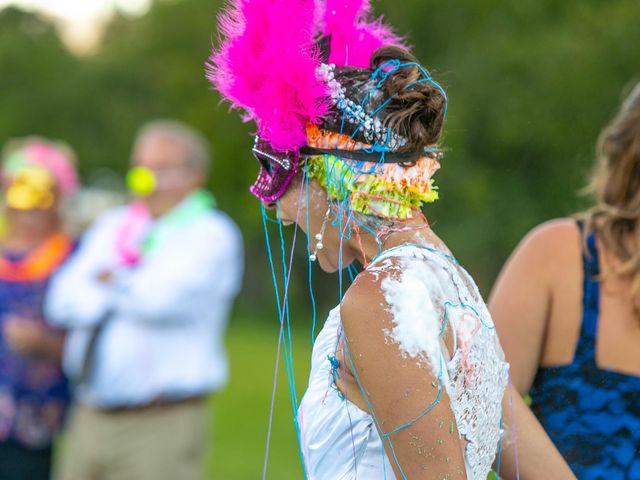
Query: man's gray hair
x=196 y=146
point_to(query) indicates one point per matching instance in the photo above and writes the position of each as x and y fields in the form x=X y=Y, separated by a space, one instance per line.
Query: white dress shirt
x=165 y=337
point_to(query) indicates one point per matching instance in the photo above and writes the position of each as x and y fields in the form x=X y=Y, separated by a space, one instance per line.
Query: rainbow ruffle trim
x=384 y=190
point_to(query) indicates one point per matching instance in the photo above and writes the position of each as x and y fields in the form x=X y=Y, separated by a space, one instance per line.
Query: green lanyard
x=190 y=209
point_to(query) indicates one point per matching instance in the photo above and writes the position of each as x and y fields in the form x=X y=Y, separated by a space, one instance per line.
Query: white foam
x=412 y=300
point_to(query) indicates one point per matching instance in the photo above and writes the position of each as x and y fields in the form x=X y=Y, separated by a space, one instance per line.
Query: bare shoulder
x=546 y=258
x=399 y=303
x=550 y=245
x=392 y=325
x=364 y=301
x=559 y=231
x=554 y=234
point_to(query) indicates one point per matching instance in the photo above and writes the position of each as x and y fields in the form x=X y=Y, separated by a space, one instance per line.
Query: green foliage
x=530 y=84
x=35 y=85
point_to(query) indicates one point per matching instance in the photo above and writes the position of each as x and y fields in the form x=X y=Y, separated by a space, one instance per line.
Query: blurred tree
x=36 y=84
x=530 y=85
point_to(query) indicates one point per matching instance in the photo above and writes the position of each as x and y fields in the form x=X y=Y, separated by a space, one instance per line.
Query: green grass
x=241 y=411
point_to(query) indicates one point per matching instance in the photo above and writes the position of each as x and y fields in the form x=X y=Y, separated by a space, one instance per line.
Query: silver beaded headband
x=371 y=126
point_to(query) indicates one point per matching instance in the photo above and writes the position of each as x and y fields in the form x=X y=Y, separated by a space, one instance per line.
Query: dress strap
x=392 y=252
x=590 y=298
x=402 y=250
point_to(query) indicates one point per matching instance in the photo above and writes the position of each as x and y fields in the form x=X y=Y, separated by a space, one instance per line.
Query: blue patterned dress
x=33 y=390
x=591 y=414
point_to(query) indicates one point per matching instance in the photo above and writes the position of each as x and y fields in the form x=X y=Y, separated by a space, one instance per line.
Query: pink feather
x=266 y=66
x=354 y=34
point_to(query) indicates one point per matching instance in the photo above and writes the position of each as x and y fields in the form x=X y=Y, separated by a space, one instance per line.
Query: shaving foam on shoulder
x=412 y=301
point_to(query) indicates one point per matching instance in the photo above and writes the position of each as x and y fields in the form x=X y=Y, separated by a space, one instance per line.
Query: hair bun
x=416 y=112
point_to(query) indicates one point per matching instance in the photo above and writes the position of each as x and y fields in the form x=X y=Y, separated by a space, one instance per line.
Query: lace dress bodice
x=340 y=441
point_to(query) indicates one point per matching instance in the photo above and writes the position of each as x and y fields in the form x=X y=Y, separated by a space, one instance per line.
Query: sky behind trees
x=81 y=22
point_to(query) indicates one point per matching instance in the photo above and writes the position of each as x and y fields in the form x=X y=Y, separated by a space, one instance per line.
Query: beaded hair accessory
x=355 y=113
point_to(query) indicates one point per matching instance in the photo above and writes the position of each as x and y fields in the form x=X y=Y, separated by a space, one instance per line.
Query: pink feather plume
x=354 y=34
x=266 y=64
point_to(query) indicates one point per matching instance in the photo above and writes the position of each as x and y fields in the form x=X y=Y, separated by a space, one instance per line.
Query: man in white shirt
x=145 y=301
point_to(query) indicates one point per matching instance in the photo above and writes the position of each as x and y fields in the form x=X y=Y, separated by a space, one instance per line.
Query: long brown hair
x=615 y=184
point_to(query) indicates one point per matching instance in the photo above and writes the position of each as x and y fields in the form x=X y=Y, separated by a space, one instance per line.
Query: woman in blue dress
x=567 y=308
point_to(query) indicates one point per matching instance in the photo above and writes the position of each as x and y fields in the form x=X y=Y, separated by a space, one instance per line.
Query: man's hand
x=105 y=277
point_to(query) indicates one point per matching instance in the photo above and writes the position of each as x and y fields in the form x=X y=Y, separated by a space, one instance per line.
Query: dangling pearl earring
x=319 y=246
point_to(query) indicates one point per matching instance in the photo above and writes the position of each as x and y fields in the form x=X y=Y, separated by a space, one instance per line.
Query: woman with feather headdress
x=408 y=379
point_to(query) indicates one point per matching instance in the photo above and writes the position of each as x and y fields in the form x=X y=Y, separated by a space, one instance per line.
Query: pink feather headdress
x=266 y=66
x=354 y=34
x=267 y=59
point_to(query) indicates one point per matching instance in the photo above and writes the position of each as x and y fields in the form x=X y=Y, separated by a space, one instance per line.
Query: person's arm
x=521 y=300
x=78 y=294
x=202 y=268
x=411 y=407
x=527 y=449
x=31 y=337
x=520 y=305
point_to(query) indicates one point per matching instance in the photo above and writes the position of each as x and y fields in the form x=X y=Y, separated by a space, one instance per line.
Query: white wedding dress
x=340 y=441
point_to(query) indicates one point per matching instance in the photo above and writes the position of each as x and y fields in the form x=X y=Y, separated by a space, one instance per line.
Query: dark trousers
x=22 y=463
